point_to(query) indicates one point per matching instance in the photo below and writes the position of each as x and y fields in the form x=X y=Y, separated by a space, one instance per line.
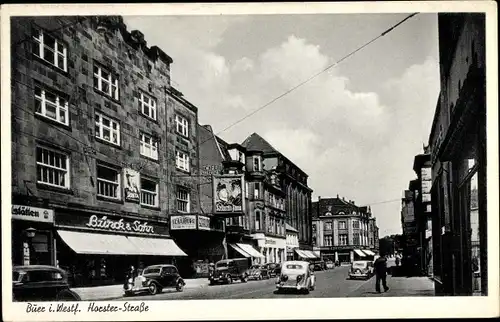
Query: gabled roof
x=256 y=142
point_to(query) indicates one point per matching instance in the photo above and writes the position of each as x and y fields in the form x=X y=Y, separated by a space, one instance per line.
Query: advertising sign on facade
x=110 y=223
x=426 y=174
x=203 y=223
x=426 y=197
x=426 y=187
x=123 y=225
x=183 y=222
x=132 y=181
x=228 y=194
x=32 y=214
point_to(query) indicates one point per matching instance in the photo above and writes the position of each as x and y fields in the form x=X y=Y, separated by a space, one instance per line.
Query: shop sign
x=426 y=197
x=105 y=223
x=32 y=214
x=211 y=169
x=131 y=179
x=203 y=223
x=426 y=174
x=183 y=222
x=274 y=242
x=228 y=196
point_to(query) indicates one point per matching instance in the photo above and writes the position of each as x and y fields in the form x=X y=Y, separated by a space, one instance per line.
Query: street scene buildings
x=115 y=178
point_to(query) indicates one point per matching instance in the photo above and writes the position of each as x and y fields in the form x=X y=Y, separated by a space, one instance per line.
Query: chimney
x=319 y=198
x=337 y=196
x=343 y=198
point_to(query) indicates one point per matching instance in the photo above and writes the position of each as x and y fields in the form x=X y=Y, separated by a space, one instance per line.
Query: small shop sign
x=132 y=180
x=203 y=223
x=32 y=214
x=183 y=222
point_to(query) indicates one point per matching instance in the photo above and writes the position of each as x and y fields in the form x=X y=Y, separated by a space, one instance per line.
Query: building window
x=51 y=106
x=342 y=240
x=355 y=224
x=107 y=129
x=356 y=240
x=148 y=106
x=257 y=190
x=257 y=220
x=52 y=167
x=106 y=82
x=328 y=225
x=328 y=240
x=149 y=146
x=182 y=161
x=182 y=200
x=257 y=164
x=49 y=49
x=342 y=225
x=108 y=182
x=182 y=125
x=149 y=192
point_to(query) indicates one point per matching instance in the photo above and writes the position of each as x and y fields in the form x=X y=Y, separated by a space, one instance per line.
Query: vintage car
x=41 y=283
x=258 y=272
x=330 y=265
x=274 y=269
x=154 y=279
x=361 y=269
x=296 y=275
x=228 y=270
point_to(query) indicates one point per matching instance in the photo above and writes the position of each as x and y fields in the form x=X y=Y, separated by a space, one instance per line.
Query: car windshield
x=255 y=267
x=221 y=264
x=151 y=270
x=359 y=264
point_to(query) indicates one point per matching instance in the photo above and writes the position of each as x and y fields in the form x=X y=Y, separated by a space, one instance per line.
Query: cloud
x=358 y=144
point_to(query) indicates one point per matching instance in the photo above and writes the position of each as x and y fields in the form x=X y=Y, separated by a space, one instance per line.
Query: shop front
x=98 y=249
x=273 y=249
x=32 y=235
x=201 y=237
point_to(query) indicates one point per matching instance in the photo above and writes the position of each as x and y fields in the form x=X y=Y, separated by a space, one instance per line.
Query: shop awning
x=359 y=252
x=156 y=246
x=92 y=243
x=239 y=250
x=250 y=250
x=304 y=253
x=368 y=252
x=317 y=253
x=309 y=254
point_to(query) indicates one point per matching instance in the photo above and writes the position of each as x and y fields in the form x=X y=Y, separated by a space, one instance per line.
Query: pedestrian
x=381 y=273
x=397 y=260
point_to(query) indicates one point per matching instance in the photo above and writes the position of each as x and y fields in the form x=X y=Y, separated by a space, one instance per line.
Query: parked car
x=41 y=283
x=361 y=269
x=257 y=272
x=330 y=265
x=154 y=279
x=228 y=270
x=318 y=266
x=274 y=269
x=296 y=275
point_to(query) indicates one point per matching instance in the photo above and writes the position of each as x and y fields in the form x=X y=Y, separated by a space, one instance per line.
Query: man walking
x=381 y=273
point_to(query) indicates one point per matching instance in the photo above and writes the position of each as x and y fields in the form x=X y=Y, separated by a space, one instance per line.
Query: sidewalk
x=110 y=292
x=398 y=286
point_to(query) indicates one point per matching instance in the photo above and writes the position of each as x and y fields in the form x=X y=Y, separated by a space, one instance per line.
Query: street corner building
x=102 y=148
x=343 y=231
x=444 y=210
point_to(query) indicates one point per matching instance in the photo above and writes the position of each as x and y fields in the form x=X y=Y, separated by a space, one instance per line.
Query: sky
x=354 y=129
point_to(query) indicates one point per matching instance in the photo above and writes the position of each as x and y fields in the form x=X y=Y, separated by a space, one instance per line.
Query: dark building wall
x=146 y=70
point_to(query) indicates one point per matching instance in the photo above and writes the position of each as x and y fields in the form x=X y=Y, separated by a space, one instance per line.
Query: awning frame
x=239 y=250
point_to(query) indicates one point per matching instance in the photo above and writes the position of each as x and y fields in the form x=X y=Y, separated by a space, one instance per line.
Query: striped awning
x=359 y=252
x=368 y=252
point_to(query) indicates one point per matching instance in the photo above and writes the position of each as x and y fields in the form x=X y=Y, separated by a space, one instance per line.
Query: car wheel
x=244 y=279
x=179 y=287
x=153 y=289
x=306 y=291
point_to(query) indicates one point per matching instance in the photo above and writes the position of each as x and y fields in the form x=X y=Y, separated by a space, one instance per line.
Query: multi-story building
x=344 y=231
x=458 y=158
x=103 y=148
x=291 y=184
